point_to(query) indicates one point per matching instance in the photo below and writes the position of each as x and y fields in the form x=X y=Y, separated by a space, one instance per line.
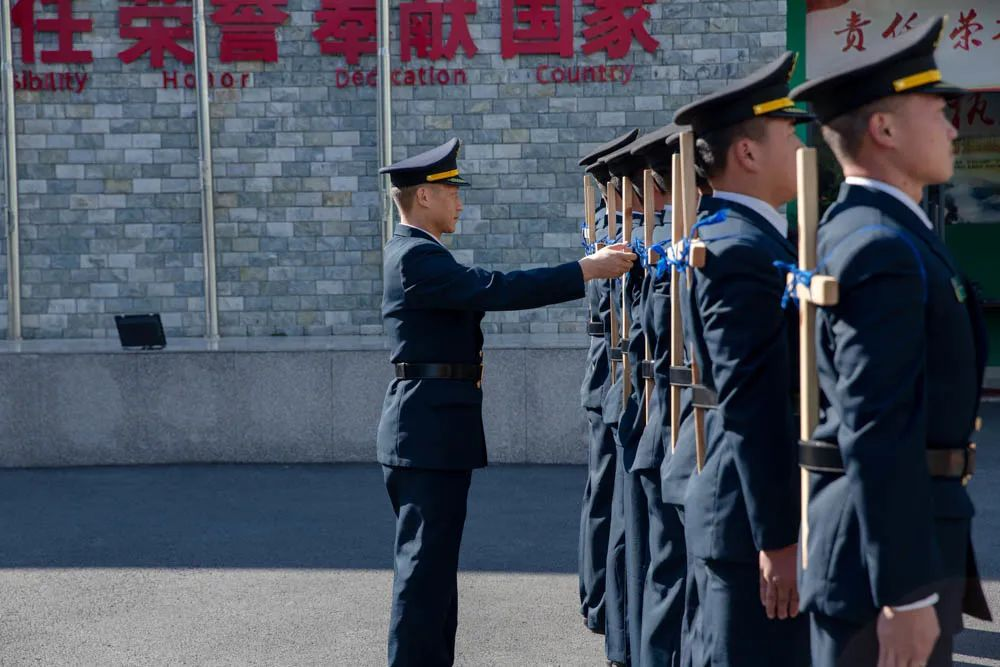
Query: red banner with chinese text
x=838 y=32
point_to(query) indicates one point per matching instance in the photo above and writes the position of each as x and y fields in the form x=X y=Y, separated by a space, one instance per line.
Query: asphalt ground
x=292 y=565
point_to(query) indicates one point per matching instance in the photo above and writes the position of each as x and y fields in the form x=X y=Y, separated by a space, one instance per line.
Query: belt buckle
x=970 y=464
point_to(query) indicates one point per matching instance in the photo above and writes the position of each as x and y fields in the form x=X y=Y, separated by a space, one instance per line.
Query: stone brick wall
x=108 y=177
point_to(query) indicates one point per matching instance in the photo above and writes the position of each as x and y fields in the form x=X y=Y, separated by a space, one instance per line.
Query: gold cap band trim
x=441 y=175
x=915 y=80
x=773 y=105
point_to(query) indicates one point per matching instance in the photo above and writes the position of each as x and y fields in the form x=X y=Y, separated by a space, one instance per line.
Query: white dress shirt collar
x=403 y=224
x=893 y=191
x=760 y=206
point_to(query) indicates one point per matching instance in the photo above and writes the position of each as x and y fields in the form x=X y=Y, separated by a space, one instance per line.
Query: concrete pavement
x=291 y=565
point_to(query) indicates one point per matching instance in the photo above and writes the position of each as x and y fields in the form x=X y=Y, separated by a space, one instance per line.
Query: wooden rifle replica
x=612 y=200
x=813 y=291
x=589 y=213
x=649 y=220
x=626 y=183
x=685 y=210
x=590 y=236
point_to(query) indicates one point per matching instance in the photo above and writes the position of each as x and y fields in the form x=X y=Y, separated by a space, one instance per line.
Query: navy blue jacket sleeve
x=745 y=334
x=432 y=278
x=879 y=351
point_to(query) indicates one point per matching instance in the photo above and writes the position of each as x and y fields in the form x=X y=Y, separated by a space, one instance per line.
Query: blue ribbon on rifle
x=590 y=248
x=679 y=260
x=799 y=277
x=639 y=248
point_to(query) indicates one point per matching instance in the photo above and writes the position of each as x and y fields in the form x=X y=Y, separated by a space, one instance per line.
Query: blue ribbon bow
x=639 y=248
x=799 y=277
x=590 y=248
x=680 y=261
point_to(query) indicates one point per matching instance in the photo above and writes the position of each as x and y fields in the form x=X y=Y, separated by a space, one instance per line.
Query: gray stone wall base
x=81 y=403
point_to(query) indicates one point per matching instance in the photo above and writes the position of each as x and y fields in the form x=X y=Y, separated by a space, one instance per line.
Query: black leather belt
x=646 y=370
x=470 y=372
x=701 y=396
x=595 y=328
x=680 y=376
x=945 y=463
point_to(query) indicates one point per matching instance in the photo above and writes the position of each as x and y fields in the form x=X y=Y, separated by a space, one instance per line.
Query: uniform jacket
x=746 y=498
x=431 y=308
x=596 y=374
x=654 y=446
x=633 y=418
x=901 y=360
x=614 y=401
x=647 y=435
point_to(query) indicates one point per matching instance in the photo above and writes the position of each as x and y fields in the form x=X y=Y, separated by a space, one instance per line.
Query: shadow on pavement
x=521 y=518
x=983 y=644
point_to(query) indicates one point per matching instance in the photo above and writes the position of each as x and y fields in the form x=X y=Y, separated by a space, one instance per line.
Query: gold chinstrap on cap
x=442 y=175
x=773 y=105
x=916 y=80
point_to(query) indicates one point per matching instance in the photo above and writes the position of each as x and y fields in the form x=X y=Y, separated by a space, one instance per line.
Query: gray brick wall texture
x=109 y=194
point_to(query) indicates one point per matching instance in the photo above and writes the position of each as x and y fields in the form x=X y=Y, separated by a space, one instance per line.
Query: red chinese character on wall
x=347 y=28
x=967 y=27
x=891 y=30
x=248 y=29
x=977 y=109
x=536 y=27
x=65 y=26
x=157 y=26
x=610 y=29
x=855 y=35
x=422 y=29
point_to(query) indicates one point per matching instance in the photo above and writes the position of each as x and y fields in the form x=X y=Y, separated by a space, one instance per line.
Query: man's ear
x=423 y=196
x=882 y=128
x=742 y=152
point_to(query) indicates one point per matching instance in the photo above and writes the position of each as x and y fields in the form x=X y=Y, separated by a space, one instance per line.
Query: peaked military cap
x=622 y=163
x=763 y=93
x=657 y=147
x=599 y=171
x=908 y=66
x=438 y=165
x=613 y=145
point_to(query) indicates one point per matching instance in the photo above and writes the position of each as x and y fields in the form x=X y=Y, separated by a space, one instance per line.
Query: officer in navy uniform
x=615 y=638
x=901 y=359
x=430 y=436
x=624 y=411
x=595 y=514
x=662 y=474
x=742 y=510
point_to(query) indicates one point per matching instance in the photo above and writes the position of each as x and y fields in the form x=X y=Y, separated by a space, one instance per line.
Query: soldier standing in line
x=742 y=510
x=430 y=435
x=900 y=359
x=595 y=514
x=663 y=598
x=619 y=410
x=615 y=633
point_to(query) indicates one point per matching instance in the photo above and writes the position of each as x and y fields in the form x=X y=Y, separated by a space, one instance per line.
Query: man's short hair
x=712 y=148
x=404 y=197
x=845 y=133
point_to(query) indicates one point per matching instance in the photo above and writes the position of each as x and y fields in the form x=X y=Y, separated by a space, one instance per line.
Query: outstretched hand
x=608 y=262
